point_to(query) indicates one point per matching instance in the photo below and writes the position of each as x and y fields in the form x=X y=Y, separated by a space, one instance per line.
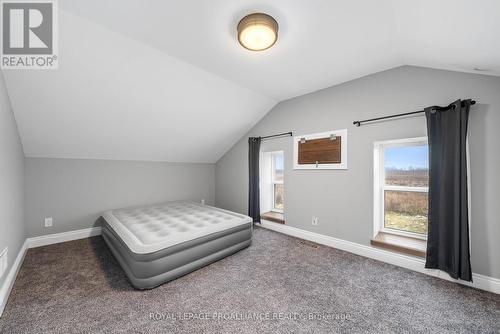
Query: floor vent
x=309 y=243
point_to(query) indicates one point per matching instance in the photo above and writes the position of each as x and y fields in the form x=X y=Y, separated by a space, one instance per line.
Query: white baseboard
x=56 y=238
x=11 y=276
x=37 y=242
x=480 y=281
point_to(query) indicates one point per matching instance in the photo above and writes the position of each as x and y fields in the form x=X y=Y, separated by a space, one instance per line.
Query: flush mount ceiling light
x=257 y=31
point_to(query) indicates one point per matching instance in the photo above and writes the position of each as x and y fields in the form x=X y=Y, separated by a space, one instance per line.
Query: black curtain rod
x=358 y=123
x=278 y=135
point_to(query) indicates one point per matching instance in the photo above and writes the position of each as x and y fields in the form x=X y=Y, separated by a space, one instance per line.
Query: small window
x=277 y=182
x=401 y=187
x=272 y=186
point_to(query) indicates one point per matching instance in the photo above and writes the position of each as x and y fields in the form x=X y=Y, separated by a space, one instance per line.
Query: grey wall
x=343 y=199
x=75 y=192
x=12 y=230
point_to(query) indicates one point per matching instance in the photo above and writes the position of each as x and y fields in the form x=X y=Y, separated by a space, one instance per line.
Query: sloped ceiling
x=167 y=80
x=115 y=98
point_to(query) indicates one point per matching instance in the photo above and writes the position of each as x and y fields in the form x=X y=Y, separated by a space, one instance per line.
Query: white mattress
x=148 y=229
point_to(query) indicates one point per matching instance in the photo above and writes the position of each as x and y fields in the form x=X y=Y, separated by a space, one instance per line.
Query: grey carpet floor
x=279 y=284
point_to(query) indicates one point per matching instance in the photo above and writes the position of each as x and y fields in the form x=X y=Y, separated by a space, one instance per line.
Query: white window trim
x=273 y=181
x=379 y=186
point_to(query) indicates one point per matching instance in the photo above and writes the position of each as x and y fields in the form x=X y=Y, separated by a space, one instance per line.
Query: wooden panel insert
x=321 y=151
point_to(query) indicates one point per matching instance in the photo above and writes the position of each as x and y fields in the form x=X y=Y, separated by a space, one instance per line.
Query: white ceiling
x=115 y=98
x=167 y=80
x=457 y=35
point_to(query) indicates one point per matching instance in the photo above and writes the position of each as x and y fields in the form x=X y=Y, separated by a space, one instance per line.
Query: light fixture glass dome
x=257 y=31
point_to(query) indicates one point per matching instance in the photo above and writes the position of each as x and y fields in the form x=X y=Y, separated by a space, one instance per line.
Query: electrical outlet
x=48 y=222
x=315 y=221
x=3 y=261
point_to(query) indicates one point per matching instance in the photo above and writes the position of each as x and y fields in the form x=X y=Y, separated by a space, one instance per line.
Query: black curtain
x=448 y=238
x=253 y=177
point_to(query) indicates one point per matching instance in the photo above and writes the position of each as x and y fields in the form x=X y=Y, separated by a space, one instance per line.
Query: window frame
x=380 y=187
x=274 y=182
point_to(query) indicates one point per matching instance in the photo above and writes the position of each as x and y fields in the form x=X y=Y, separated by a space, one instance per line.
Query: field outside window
x=404 y=184
x=277 y=181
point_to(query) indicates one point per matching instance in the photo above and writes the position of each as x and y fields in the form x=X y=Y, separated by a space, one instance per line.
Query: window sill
x=401 y=244
x=273 y=216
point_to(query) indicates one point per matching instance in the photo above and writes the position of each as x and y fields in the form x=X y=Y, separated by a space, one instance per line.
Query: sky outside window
x=408 y=157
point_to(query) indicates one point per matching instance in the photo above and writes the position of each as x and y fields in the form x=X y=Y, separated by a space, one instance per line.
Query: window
x=401 y=187
x=271 y=186
x=277 y=182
